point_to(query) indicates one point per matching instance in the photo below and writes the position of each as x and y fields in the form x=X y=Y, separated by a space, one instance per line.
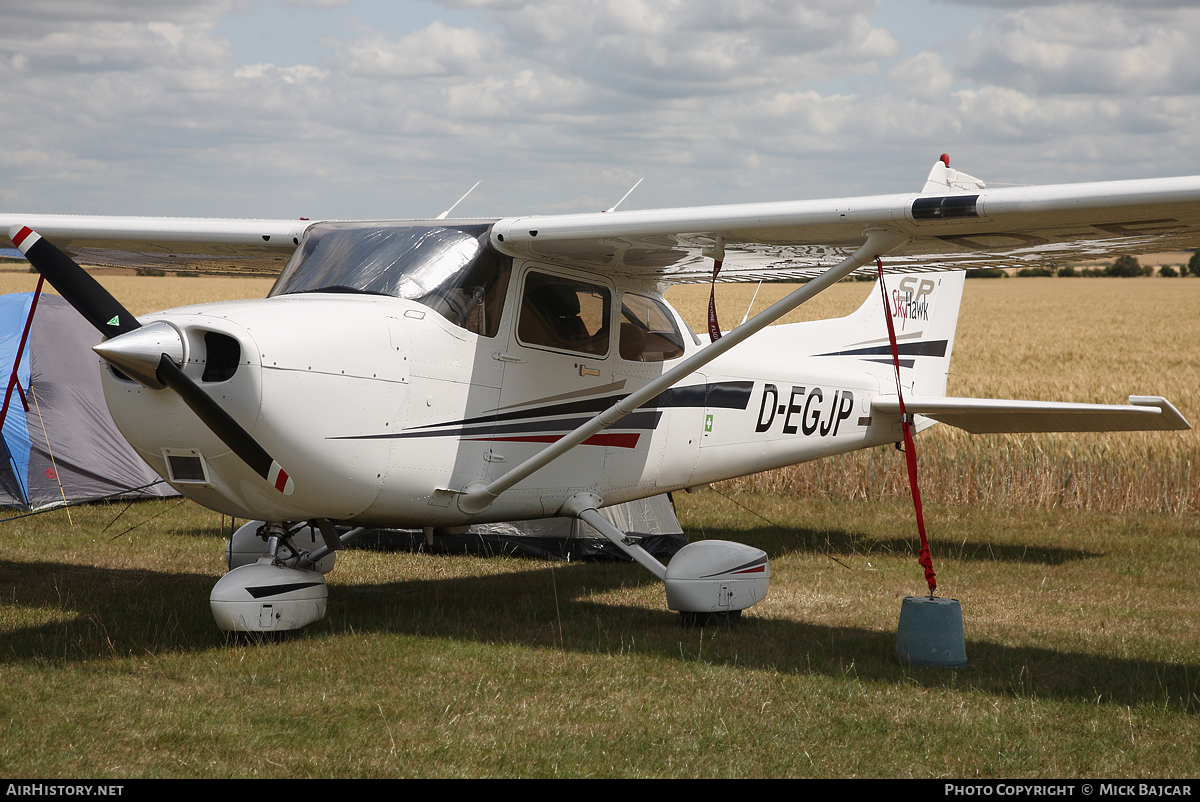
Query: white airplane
x=440 y=373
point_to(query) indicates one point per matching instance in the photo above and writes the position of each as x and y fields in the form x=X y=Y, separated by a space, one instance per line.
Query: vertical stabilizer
x=924 y=309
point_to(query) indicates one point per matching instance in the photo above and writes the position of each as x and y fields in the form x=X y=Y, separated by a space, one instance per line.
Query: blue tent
x=60 y=444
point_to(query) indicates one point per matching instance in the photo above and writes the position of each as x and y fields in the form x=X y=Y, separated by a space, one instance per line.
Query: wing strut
x=478 y=496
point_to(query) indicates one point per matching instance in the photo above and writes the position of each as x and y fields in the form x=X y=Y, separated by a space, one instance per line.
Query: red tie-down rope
x=714 y=328
x=910 y=448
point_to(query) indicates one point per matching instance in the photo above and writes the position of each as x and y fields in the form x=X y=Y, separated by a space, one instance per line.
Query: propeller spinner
x=150 y=354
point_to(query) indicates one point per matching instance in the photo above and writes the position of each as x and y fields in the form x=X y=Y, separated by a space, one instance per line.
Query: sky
x=369 y=109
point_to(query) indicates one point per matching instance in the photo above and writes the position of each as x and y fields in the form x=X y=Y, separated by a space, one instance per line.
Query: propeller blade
x=111 y=319
x=73 y=283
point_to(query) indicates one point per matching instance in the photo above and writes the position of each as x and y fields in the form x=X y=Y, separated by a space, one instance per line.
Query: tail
x=924 y=310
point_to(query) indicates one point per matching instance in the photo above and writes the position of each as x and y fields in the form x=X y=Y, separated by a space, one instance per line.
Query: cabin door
x=557 y=375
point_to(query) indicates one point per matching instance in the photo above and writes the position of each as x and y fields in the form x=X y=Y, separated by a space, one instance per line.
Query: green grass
x=1081 y=632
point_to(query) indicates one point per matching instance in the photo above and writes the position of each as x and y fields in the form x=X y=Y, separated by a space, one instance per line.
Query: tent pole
x=22 y=481
x=12 y=379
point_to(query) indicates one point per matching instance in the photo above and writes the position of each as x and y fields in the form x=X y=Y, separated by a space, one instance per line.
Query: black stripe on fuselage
x=634 y=420
x=720 y=395
x=935 y=348
x=725 y=395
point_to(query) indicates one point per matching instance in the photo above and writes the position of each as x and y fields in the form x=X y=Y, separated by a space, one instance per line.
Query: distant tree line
x=1122 y=267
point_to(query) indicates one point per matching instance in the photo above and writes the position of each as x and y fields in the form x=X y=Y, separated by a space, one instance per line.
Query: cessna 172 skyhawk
x=442 y=373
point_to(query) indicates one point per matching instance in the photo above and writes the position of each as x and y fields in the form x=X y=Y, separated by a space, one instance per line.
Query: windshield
x=452 y=270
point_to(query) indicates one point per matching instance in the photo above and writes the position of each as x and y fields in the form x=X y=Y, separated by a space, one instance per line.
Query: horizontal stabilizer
x=995 y=416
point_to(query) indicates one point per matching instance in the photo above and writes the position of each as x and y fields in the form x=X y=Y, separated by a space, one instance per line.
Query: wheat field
x=144 y=294
x=1095 y=340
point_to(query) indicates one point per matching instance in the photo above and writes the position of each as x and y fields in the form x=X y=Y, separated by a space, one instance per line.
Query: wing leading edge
x=204 y=244
x=966 y=226
x=1005 y=227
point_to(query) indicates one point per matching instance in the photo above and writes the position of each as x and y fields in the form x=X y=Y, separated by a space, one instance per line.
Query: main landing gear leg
x=707 y=581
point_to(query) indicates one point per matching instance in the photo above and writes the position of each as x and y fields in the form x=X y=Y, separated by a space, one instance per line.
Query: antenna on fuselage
x=752 y=300
x=613 y=208
x=443 y=215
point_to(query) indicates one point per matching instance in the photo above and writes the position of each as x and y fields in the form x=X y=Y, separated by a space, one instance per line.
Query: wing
x=242 y=247
x=958 y=228
x=952 y=224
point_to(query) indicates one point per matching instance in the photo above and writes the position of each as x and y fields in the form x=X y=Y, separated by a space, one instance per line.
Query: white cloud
x=437 y=50
x=292 y=75
x=1086 y=48
x=314 y=3
x=924 y=77
x=147 y=107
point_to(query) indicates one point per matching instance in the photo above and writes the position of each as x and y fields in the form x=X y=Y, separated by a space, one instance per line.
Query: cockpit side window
x=565 y=314
x=476 y=300
x=648 y=330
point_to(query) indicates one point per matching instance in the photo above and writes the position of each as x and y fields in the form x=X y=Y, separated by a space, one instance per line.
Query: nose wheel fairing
x=266 y=597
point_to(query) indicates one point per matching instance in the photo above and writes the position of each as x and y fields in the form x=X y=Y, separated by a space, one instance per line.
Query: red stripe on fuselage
x=618 y=440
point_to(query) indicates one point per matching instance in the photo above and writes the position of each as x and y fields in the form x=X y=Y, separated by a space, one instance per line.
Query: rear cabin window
x=648 y=330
